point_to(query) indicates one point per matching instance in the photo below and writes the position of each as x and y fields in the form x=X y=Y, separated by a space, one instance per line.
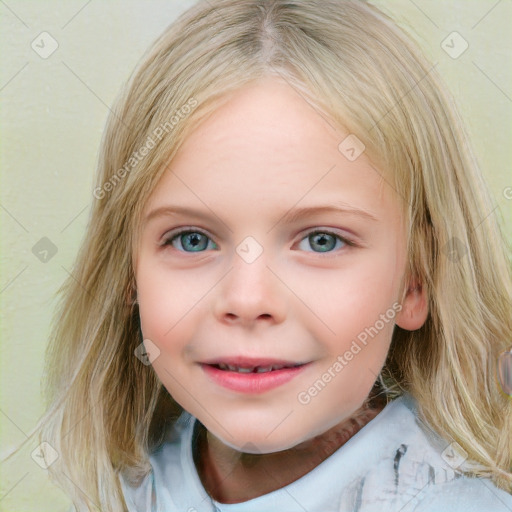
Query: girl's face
x=251 y=279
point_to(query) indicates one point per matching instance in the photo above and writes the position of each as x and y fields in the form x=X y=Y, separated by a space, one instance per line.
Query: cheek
x=155 y=303
x=344 y=301
x=167 y=299
x=166 y=316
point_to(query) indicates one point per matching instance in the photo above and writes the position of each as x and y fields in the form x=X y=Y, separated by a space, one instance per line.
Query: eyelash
x=191 y=229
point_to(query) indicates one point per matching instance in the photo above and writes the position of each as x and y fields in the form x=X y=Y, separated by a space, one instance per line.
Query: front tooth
x=231 y=367
x=262 y=369
x=223 y=366
x=277 y=367
x=245 y=370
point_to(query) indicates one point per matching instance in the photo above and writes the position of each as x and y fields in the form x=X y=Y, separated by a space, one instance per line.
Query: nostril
x=232 y=316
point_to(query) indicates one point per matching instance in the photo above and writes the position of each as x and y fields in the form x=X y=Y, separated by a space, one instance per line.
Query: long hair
x=106 y=409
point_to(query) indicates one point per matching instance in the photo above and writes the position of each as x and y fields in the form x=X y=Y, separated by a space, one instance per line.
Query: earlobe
x=414 y=310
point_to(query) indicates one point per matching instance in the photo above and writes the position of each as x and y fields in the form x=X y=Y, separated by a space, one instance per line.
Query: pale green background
x=53 y=113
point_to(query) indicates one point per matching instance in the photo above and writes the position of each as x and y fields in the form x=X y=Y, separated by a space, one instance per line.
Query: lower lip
x=252 y=383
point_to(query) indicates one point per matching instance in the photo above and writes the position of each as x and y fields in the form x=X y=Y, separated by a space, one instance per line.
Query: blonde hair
x=106 y=410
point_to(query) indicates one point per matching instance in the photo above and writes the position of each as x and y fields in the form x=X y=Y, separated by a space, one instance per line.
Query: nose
x=250 y=293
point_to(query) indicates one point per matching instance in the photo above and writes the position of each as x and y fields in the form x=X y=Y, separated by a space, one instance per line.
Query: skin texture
x=261 y=154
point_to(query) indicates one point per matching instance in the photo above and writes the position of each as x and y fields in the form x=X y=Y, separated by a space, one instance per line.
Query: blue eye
x=325 y=241
x=196 y=241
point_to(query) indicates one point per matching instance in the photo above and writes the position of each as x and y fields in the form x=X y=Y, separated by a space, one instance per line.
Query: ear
x=131 y=294
x=414 y=310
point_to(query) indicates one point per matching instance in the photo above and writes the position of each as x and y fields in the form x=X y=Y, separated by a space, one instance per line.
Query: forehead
x=266 y=146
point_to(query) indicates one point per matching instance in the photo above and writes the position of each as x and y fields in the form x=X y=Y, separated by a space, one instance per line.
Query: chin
x=259 y=444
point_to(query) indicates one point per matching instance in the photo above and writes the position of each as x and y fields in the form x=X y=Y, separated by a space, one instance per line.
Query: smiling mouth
x=253 y=369
x=253 y=377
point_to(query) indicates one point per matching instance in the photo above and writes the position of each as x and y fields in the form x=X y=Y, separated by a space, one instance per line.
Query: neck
x=230 y=476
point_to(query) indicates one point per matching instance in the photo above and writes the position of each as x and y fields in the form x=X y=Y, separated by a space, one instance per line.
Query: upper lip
x=246 y=362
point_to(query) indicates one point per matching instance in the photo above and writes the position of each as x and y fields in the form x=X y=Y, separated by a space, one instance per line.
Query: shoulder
x=145 y=493
x=464 y=494
x=417 y=471
x=140 y=495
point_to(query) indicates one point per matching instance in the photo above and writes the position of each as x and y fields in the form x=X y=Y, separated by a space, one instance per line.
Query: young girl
x=292 y=294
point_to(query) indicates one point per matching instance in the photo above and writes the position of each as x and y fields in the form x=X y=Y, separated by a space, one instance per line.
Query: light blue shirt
x=393 y=464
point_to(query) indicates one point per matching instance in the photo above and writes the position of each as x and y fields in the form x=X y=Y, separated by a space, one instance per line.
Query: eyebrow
x=299 y=213
x=292 y=215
